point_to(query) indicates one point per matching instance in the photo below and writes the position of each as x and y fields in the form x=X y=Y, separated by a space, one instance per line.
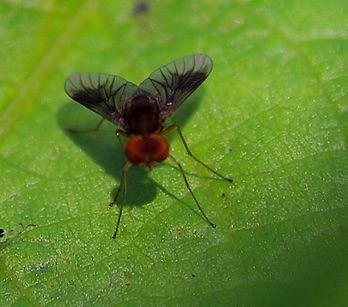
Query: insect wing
x=174 y=82
x=102 y=93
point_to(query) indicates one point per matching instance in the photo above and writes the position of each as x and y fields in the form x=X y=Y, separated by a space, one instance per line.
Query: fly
x=141 y=112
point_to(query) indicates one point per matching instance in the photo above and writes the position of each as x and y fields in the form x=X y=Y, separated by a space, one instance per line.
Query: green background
x=272 y=115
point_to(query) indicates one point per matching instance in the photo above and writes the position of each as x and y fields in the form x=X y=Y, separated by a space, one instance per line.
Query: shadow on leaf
x=105 y=149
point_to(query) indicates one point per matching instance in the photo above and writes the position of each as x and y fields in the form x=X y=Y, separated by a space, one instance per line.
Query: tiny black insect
x=4 y=233
x=142 y=110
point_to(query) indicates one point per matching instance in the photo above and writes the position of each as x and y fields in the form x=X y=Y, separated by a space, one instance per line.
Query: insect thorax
x=142 y=115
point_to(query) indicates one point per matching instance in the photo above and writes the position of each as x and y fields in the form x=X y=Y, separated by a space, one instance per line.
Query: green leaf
x=272 y=115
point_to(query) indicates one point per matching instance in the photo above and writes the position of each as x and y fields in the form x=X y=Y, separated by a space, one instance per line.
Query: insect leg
x=98 y=125
x=120 y=133
x=95 y=129
x=177 y=128
x=25 y=227
x=190 y=190
x=123 y=188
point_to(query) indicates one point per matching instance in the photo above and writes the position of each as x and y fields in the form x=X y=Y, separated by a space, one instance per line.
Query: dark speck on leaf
x=140 y=8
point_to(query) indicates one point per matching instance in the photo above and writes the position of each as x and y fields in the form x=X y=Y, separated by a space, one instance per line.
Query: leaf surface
x=272 y=115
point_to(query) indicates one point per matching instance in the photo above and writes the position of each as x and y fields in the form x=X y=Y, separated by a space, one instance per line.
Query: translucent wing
x=174 y=82
x=101 y=93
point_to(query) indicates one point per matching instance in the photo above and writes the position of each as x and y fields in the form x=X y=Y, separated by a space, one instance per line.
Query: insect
x=4 y=233
x=141 y=112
